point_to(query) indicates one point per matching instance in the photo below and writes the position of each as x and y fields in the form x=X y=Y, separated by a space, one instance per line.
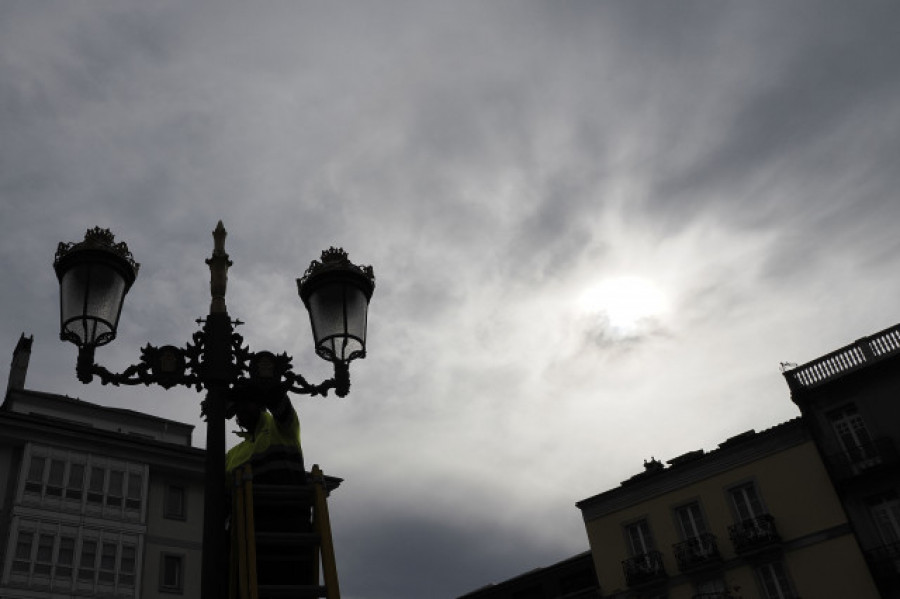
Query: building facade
x=757 y=517
x=572 y=578
x=95 y=501
x=809 y=508
x=850 y=401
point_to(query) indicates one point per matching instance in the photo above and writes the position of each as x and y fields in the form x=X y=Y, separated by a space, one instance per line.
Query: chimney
x=19 y=367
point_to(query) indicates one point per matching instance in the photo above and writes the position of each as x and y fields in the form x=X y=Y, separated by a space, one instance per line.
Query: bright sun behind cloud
x=627 y=302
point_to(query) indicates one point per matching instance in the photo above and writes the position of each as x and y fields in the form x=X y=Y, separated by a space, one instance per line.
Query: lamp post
x=94 y=276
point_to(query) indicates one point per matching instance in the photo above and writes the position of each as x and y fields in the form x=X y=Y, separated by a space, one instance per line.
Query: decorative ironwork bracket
x=250 y=373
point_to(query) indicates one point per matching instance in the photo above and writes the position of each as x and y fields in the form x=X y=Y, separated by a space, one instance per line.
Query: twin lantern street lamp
x=94 y=276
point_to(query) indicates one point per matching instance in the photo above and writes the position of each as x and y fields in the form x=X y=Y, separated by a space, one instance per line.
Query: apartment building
x=95 y=501
x=850 y=401
x=757 y=517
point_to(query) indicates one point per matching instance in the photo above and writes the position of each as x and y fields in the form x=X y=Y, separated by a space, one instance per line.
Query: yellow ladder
x=276 y=552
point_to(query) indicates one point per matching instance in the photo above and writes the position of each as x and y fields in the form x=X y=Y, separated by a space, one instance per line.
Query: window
x=95 y=488
x=133 y=502
x=885 y=511
x=35 y=474
x=88 y=560
x=126 y=565
x=44 y=560
x=75 y=482
x=174 y=504
x=746 y=502
x=65 y=558
x=713 y=587
x=171 y=575
x=852 y=433
x=774 y=581
x=114 y=492
x=108 y=562
x=22 y=560
x=691 y=522
x=639 y=539
x=55 y=478
x=697 y=546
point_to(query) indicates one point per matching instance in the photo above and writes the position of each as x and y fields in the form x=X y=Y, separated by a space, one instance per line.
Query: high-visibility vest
x=273 y=446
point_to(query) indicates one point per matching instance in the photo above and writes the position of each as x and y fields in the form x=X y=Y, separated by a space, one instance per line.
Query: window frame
x=127 y=578
x=55 y=485
x=90 y=567
x=645 y=535
x=34 y=479
x=74 y=489
x=784 y=586
x=851 y=431
x=115 y=488
x=884 y=512
x=696 y=515
x=732 y=491
x=178 y=587
x=179 y=513
x=134 y=493
x=95 y=496
x=40 y=566
x=17 y=558
x=58 y=564
x=106 y=572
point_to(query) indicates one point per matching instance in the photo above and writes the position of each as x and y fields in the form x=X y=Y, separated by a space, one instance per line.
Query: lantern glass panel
x=357 y=309
x=92 y=297
x=338 y=316
x=72 y=289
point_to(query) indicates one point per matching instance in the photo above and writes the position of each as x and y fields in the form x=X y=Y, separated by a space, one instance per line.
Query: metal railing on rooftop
x=846 y=359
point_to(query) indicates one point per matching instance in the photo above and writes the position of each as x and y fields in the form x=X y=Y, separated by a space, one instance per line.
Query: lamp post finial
x=218 y=271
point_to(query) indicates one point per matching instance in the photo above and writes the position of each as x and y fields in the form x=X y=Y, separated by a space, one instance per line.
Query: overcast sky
x=597 y=229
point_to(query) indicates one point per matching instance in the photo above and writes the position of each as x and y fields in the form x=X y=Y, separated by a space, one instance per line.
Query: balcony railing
x=844 y=360
x=644 y=568
x=863 y=459
x=753 y=534
x=885 y=562
x=697 y=553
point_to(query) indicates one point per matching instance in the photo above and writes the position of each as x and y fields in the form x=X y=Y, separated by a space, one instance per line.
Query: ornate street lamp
x=94 y=276
x=336 y=293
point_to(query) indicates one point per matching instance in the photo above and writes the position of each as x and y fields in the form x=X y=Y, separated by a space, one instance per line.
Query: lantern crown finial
x=98 y=238
x=334 y=259
x=336 y=293
x=94 y=276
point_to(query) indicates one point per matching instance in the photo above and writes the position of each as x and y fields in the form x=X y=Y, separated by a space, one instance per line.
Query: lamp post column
x=217 y=361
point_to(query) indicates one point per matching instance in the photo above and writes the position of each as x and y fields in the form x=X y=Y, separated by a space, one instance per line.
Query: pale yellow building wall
x=793 y=486
x=834 y=568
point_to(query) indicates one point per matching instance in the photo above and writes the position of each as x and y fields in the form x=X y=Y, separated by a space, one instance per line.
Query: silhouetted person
x=271 y=445
x=271 y=441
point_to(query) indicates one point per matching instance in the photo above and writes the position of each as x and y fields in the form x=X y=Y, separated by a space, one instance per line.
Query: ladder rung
x=268 y=591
